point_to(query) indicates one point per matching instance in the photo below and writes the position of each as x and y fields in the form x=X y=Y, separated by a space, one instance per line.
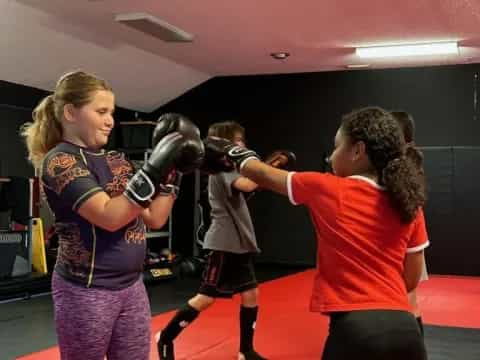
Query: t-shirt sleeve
x=419 y=238
x=68 y=176
x=228 y=179
x=303 y=187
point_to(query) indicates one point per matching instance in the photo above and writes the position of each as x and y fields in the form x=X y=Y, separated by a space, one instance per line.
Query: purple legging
x=92 y=323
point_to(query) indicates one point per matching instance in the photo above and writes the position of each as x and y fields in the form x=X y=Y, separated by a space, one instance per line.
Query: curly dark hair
x=387 y=151
x=407 y=124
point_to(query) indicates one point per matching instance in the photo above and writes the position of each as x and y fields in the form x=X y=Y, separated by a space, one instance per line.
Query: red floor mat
x=283 y=316
x=287 y=330
x=450 y=301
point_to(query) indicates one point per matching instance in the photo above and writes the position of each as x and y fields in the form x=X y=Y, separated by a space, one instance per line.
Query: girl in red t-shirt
x=370 y=231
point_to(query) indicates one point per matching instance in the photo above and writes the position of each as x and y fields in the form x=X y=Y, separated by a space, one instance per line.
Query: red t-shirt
x=361 y=242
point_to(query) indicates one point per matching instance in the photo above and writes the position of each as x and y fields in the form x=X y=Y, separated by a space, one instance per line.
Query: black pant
x=374 y=335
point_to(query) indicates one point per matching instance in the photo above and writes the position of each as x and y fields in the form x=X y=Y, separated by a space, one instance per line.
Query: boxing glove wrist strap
x=140 y=189
x=244 y=161
x=169 y=189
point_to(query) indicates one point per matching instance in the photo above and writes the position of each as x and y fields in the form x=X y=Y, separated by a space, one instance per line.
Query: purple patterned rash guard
x=87 y=254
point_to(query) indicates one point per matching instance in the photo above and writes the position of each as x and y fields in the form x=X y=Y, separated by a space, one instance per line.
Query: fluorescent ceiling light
x=408 y=50
x=358 y=66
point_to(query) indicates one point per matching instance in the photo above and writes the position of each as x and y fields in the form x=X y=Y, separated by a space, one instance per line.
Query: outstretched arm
x=266 y=176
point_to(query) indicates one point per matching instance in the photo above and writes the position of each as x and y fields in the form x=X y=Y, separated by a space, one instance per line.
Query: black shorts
x=374 y=335
x=227 y=274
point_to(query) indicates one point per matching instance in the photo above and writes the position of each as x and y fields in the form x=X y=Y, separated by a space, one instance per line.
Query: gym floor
x=449 y=305
x=27 y=326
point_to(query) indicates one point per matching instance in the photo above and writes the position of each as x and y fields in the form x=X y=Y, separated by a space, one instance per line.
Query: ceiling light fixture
x=439 y=48
x=280 y=55
x=358 y=66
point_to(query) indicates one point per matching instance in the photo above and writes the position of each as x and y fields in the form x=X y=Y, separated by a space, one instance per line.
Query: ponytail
x=404 y=179
x=44 y=133
x=413 y=153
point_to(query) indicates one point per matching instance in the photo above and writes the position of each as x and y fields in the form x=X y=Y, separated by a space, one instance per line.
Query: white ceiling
x=40 y=39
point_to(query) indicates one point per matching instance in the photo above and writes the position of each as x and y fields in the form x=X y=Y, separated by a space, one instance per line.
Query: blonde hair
x=46 y=131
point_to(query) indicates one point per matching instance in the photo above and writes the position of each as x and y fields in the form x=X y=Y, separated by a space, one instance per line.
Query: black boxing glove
x=170 y=122
x=224 y=155
x=173 y=152
x=282 y=159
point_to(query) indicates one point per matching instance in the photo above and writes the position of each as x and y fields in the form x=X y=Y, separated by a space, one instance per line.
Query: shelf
x=156 y=234
x=157 y=274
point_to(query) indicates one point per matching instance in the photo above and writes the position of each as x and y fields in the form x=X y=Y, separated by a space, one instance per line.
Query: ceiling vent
x=155 y=27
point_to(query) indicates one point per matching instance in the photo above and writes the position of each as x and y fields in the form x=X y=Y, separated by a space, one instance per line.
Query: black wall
x=16 y=105
x=13 y=160
x=453 y=208
x=302 y=112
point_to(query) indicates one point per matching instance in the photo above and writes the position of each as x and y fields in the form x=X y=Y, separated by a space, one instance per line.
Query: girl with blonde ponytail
x=101 y=229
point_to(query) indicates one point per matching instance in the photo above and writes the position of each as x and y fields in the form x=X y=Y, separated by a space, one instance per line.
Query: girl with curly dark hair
x=370 y=231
